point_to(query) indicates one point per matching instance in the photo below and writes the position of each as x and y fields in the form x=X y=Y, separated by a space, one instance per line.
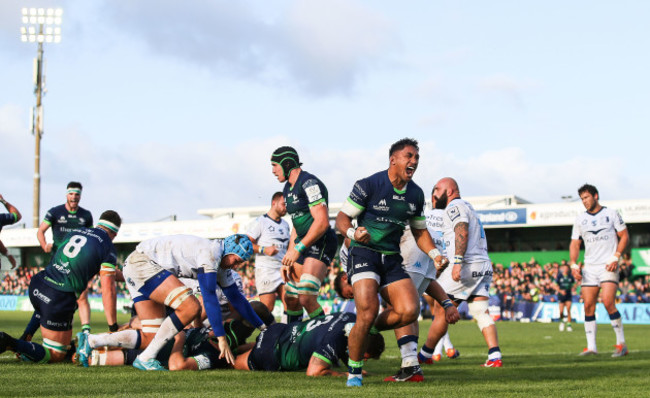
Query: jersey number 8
x=74 y=246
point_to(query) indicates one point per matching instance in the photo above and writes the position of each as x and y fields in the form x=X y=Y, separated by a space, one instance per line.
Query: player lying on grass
x=314 y=345
x=152 y=273
x=191 y=349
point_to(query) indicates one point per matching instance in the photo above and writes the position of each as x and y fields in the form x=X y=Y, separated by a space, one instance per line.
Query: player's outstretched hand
x=225 y=350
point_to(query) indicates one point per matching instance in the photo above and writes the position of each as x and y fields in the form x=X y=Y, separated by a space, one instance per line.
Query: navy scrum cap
x=287 y=158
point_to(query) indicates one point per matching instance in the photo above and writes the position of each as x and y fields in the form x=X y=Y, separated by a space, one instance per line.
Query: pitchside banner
x=22 y=303
x=632 y=314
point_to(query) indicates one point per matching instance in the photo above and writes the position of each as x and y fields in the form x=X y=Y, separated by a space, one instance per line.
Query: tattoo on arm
x=461 y=232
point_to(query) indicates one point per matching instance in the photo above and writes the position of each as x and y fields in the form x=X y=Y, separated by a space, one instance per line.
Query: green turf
x=539 y=361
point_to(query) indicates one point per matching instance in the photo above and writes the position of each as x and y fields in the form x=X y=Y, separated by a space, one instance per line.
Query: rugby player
x=471 y=275
x=565 y=282
x=270 y=235
x=152 y=273
x=312 y=238
x=7 y=219
x=422 y=272
x=63 y=219
x=53 y=292
x=605 y=237
x=315 y=345
x=383 y=204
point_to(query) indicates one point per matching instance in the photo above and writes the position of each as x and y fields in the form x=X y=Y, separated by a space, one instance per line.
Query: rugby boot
x=620 y=350
x=354 y=382
x=452 y=353
x=493 y=363
x=409 y=373
x=425 y=360
x=587 y=352
x=83 y=349
x=151 y=364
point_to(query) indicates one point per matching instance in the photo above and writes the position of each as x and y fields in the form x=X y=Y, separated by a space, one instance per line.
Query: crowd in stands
x=519 y=282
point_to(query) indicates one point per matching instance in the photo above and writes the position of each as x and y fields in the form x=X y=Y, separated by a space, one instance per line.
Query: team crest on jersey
x=453 y=213
x=62 y=220
x=271 y=228
x=81 y=220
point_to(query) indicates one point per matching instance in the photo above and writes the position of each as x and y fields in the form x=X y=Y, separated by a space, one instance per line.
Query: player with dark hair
x=312 y=238
x=315 y=345
x=605 y=237
x=152 y=274
x=53 y=292
x=565 y=282
x=270 y=235
x=63 y=219
x=7 y=219
x=383 y=205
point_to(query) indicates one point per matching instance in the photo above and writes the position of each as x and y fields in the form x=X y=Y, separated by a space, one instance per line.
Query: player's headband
x=107 y=224
x=74 y=190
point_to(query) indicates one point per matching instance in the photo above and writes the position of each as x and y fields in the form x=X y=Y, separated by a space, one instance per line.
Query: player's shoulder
x=84 y=212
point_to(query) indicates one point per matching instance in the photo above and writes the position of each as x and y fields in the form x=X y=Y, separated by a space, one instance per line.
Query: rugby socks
x=408 y=348
x=446 y=341
x=35 y=352
x=438 y=349
x=85 y=328
x=32 y=327
x=169 y=328
x=316 y=312
x=617 y=324
x=126 y=339
x=494 y=353
x=354 y=369
x=293 y=316
x=426 y=352
x=590 y=332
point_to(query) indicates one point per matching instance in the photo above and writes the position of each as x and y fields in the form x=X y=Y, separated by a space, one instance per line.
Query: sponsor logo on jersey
x=42 y=297
x=63 y=268
x=62 y=220
x=381 y=206
x=360 y=265
x=453 y=213
x=478 y=274
x=313 y=193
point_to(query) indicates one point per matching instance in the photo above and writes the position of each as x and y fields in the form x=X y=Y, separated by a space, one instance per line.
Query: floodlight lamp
x=41 y=20
x=50 y=12
x=49 y=30
x=32 y=30
x=32 y=20
x=25 y=11
x=32 y=11
x=49 y=21
x=25 y=20
x=23 y=30
x=41 y=11
x=41 y=38
x=32 y=38
x=58 y=12
x=23 y=38
x=48 y=39
x=57 y=31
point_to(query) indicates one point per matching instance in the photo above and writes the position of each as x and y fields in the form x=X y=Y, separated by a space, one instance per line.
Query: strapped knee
x=151 y=325
x=309 y=285
x=479 y=311
x=55 y=346
x=290 y=290
x=177 y=296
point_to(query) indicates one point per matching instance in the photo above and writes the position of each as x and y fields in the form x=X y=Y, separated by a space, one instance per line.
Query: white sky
x=165 y=107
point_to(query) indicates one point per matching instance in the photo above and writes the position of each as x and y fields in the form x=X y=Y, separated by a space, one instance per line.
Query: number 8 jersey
x=79 y=258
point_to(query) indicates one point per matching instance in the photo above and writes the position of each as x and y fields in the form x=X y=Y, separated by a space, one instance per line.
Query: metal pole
x=38 y=131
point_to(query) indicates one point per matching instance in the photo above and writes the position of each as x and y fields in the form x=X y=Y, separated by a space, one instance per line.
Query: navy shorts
x=364 y=262
x=262 y=356
x=323 y=249
x=563 y=298
x=55 y=308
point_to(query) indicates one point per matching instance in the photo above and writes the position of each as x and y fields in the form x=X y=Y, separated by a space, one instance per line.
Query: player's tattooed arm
x=461 y=232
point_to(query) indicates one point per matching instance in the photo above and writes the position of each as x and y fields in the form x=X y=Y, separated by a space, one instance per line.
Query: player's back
x=182 y=255
x=79 y=259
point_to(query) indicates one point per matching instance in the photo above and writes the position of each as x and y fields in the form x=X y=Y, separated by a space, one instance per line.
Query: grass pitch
x=539 y=361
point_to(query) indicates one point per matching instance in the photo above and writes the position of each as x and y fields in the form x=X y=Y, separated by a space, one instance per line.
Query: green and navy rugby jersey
x=385 y=211
x=307 y=192
x=63 y=221
x=7 y=219
x=81 y=256
x=565 y=282
x=324 y=337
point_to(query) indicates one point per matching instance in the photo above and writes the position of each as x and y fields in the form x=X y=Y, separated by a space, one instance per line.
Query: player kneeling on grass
x=53 y=292
x=315 y=345
x=152 y=273
x=191 y=349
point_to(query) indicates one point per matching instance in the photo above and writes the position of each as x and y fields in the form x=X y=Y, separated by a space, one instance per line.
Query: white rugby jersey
x=268 y=232
x=183 y=255
x=415 y=260
x=459 y=210
x=435 y=225
x=598 y=231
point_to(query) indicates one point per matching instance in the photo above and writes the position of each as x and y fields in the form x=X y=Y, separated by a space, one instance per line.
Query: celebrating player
x=605 y=237
x=152 y=273
x=312 y=238
x=383 y=204
x=315 y=345
x=7 y=219
x=63 y=219
x=53 y=292
x=471 y=275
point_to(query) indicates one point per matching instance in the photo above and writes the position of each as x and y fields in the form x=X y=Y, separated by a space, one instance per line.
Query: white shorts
x=475 y=280
x=267 y=280
x=594 y=275
x=420 y=281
